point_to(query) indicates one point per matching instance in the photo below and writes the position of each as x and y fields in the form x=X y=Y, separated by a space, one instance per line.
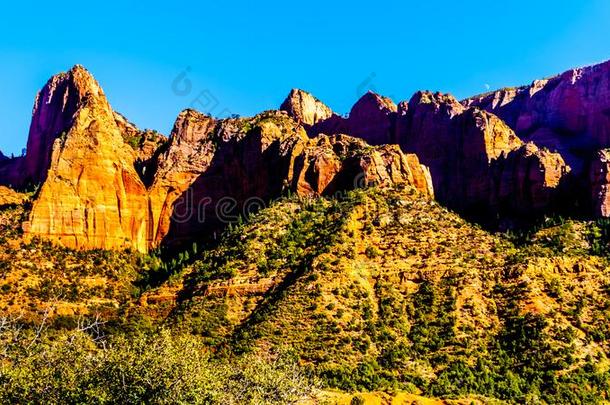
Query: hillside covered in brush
x=374 y=290
x=431 y=249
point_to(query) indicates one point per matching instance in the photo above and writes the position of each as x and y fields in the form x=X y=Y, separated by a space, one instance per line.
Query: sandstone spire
x=92 y=196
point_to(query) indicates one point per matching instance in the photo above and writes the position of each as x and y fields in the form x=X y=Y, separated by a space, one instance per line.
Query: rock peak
x=428 y=97
x=91 y=193
x=54 y=112
x=373 y=100
x=305 y=108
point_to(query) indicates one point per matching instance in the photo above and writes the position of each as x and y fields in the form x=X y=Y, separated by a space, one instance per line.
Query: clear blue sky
x=249 y=54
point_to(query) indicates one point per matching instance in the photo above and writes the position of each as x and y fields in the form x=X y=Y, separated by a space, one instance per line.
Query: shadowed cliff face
x=476 y=161
x=252 y=161
x=569 y=114
x=55 y=110
x=457 y=144
x=53 y=114
x=479 y=166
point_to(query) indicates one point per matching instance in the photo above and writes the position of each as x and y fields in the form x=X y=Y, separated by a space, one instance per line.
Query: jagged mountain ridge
x=477 y=162
x=106 y=184
x=123 y=186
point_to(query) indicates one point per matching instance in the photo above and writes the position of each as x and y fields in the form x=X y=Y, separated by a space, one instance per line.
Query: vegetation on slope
x=82 y=366
x=384 y=290
x=38 y=279
x=376 y=290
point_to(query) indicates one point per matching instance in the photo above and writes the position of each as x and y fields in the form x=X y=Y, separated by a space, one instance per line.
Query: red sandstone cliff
x=215 y=171
x=92 y=196
x=568 y=114
x=107 y=184
x=469 y=151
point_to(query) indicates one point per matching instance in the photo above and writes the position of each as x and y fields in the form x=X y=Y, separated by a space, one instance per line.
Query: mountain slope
x=378 y=289
x=386 y=290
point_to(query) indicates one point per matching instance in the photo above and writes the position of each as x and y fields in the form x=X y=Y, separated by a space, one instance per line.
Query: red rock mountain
x=107 y=184
x=92 y=195
x=477 y=163
x=104 y=183
x=568 y=113
x=214 y=171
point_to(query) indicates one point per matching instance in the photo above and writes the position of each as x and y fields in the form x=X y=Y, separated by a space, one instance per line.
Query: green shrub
x=163 y=368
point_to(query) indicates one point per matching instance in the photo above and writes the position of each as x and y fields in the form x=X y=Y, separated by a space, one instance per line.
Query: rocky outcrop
x=371 y=118
x=147 y=144
x=9 y=196
x=245 y=163
x=458 y=145
x=464 y=148
x=528 y=181
x=188 y=155
x=92 y=196
x=305 y=108
x=107 y=184
x=569 y=113
x=335 y=163
x=478 y=164
x=599 y=179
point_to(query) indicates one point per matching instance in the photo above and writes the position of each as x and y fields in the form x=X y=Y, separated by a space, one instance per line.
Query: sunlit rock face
x=305 y=108
x=92 y=196
x=599 y=179
x=214 y=171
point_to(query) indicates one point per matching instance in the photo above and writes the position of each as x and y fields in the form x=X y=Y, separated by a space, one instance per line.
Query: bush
x=160 y=369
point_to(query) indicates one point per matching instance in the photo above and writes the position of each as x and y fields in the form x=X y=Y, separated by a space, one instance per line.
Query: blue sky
x=245 y=56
